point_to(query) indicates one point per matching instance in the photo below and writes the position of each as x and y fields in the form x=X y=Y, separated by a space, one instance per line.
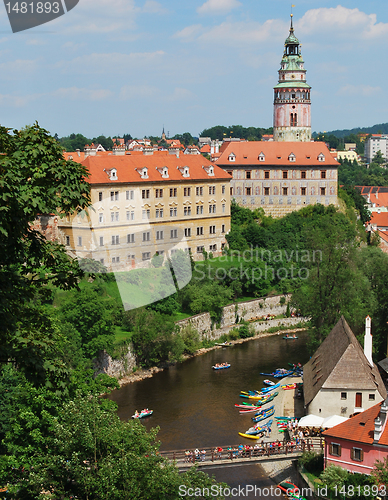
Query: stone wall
x=115 y=367
x=248 y=311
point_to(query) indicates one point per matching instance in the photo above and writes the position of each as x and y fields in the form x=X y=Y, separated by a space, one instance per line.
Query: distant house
x=341 y=378
x=356 y=444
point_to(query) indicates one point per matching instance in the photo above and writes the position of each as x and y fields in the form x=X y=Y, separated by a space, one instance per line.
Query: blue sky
x=132 y=66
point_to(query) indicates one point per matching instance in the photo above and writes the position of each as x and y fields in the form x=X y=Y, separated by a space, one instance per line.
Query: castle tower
x=292 y=105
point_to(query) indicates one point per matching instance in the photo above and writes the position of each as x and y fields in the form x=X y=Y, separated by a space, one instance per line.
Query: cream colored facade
x=130 y=222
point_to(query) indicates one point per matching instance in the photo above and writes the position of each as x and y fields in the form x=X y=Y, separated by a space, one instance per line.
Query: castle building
x=291 y=171
x=149 y=203
x=292 y=105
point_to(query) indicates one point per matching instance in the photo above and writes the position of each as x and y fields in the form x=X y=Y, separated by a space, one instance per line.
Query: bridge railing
x=235 y=452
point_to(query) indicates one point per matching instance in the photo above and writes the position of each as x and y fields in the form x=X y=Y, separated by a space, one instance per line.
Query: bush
x=190 y=337
x=312 y=462
x=246 y=331
x=234 y=334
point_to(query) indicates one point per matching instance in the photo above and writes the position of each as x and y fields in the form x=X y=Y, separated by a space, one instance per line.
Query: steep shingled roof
x=340 y=363
x=277 y=154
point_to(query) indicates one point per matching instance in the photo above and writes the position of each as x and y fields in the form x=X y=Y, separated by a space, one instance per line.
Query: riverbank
x=143 y=374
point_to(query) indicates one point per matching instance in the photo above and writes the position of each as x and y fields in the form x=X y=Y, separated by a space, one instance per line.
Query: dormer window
x=211 y=170
x=186 y=172
x=291 y=157
x=321 y=157
x=165 y=173
x=261 y=157
x=144 y=173
x=113 y=175
x=232 y=157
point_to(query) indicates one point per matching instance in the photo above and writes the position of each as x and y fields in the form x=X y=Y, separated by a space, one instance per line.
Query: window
x=303 y=191
x=174 y=233
x=223 y=228
x=100 y=196
x=187 y=211
x=131 y=238
x=231 y=191
x=266 y=174
x=79 y=241
x=230 y=172
x=173 y=192
x=101 y=241
x=212 y=209
x=212 y=229
x=114 y=196
x=223 y=189
x=200 y=231
x=102 y=261
x=158 y=193
x=293 y=117
x=371 y=397
x=159 y=213
x=223 y=208
x=129 y=195
x=200 y=249
x=173 y=212
x=212 y=189
x=130 y=215
x=145 y=193
x=146 y=256
x=187 y=232
x=323 y=191
x=285 y=174
x=266 y=191
x=248 y=174
x=186 y=191
x=323 y=174
x=248 y=191
x=212 y=248
x=146 y=236
x=115 y=260
x=114 y=216
x=146 y=214
x=199 y=191
x=357 y=454
x=115 y=240
x=344 y=395
x=335 y=449
x=303 y=174
x=358 y=400
x=68 y=240
x=199 y=209
x=159 y=235
x=285 y=191
x=100 y=218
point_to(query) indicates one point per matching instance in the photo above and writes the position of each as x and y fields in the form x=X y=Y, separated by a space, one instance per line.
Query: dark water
x=194 y=405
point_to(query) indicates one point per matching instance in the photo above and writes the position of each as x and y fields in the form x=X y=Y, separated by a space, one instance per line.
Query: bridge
x=230 y=456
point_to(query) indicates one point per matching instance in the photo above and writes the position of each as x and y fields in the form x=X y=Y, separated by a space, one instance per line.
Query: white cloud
x=218 y=6
x=152 y=7
x=342 y=22
x=361 y=90
x=136 y=91
x=190 y=32
x=17 y=101
x=75 y=93
x=244 y=32
x=180 y=94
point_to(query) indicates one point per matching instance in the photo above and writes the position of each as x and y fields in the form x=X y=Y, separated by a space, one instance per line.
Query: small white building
x=341 y=378
x=377 y=142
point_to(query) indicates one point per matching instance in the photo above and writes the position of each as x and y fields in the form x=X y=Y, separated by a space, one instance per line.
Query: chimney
x=380 y=422
x=368 y=341
x=78 y=152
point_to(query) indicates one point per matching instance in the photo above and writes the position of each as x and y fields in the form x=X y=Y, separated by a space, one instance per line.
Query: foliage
x=380 y=471
x=313 y=462
x=221 y=132
x=190 y=337
x=88 y=452
x=79 y=141
x=35 y=180
x=334 y=476
x=186 y=139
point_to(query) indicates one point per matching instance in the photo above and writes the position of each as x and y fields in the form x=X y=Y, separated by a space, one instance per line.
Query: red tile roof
x=277 y=153
x=379 y=219
x=205 y=149
x=377 y=194
x=129 y=168
x=359 y=428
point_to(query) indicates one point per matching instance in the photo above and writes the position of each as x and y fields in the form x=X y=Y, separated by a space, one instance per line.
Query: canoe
x=288 y=487
x=248 y=407
x=265 y=390
x=143 y=414
x=251 y=436
x=290 y=338
x=223 y=367
x=262 y=415
x=244 y=412
x=284 y=418
x=288 y=387
x=268 y=382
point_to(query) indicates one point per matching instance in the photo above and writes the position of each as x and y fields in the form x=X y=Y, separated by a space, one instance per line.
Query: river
x=194 y=405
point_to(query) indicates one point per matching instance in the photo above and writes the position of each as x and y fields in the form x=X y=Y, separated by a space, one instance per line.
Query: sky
x=136 y=66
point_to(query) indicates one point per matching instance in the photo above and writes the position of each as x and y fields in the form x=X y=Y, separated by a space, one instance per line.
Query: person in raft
x=136 y=413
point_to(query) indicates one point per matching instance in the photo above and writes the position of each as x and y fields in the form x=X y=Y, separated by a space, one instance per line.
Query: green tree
x=35 y=180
